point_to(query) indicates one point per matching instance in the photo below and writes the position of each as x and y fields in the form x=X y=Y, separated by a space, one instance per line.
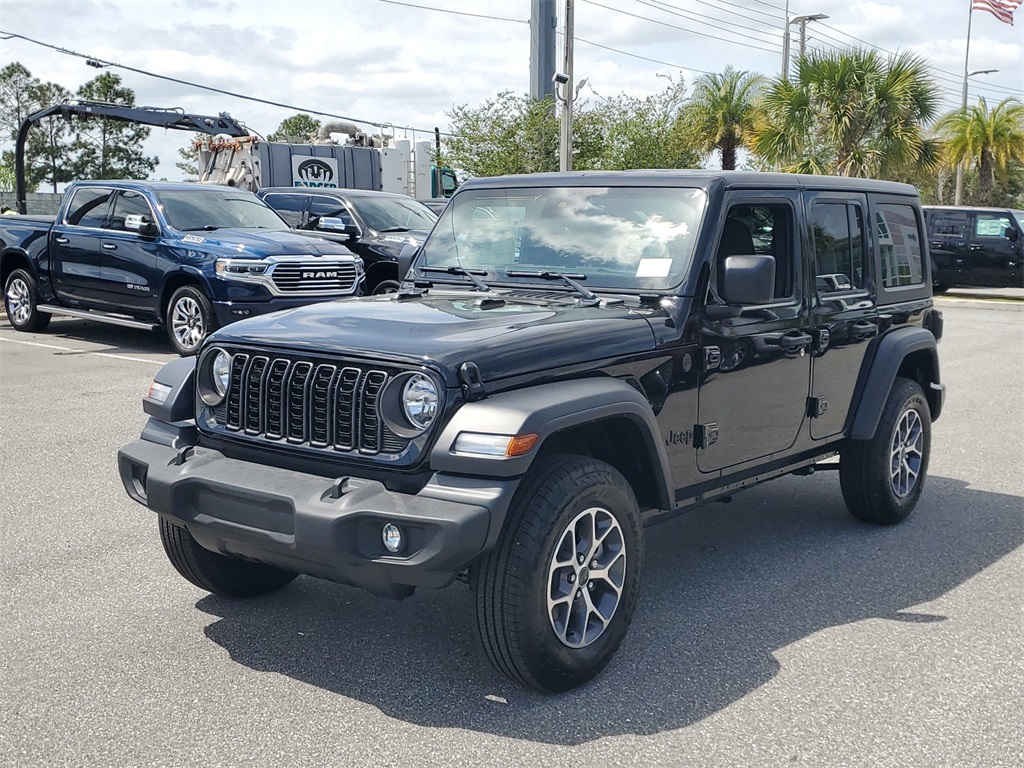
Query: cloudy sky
x=384 y=61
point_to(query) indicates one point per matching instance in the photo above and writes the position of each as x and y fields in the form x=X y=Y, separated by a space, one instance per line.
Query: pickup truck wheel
x=386 y=286
x=220 y=574
x=21 y=302
x=882 y=478
x=556 y=595
x=190 y=319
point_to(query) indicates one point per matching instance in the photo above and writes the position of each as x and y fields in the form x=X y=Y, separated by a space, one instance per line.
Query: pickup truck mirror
x=334 y=224
x=141 y=224
x=1011 y=234
x=405 y=259
x=748 y=280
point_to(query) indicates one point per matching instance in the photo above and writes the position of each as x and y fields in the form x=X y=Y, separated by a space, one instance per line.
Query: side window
x=128 y=204
x=762 y=228
x=321 y=207
x=947 y=224
x=89 y=207
x=991 y=224
x=838 y=247
x=289 y=207
x=899 y=245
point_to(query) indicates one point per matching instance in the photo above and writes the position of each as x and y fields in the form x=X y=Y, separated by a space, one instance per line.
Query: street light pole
x=565 y=138
x=802 y=21
x=959 y=195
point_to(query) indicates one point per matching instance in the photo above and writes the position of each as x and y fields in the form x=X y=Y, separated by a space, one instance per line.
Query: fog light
x=392 y=537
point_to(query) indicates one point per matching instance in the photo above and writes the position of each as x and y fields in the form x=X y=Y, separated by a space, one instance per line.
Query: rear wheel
x=21 y=302
x=189 y=319
x=882 y=478
x=556 y=595
x=220 y=574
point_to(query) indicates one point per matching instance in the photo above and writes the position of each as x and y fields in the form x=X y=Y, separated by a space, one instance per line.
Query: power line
x=699 y=16
x=454 y=13
x=683 y=29
x=102 y=63
x=638 y=56
x=746 y=8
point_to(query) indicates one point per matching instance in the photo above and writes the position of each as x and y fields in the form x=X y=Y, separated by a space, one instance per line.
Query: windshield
x=618 y=237
x=393 y=214
x=206 y=210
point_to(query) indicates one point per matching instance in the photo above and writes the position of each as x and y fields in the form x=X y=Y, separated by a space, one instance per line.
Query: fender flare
x=544 y=410
x=892 y=350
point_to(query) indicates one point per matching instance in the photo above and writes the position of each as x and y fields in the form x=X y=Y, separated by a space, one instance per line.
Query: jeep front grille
x=314 y=276
x=327 y=405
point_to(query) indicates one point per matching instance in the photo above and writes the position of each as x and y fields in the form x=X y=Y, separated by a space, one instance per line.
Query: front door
x=843 y=314
x=753 y=392
x=130 y=278
x=994 y=260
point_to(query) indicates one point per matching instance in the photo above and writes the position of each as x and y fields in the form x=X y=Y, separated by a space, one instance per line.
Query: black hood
x=446 y=329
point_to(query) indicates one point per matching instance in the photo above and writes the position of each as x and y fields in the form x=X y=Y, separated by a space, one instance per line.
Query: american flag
x=1001 y=9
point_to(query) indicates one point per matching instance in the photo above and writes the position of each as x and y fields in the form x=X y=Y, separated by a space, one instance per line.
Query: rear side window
x=289 y=207
x=89 y=207
x=838 y=247
x=947 y=224
x=899 y=244
x=992 y=224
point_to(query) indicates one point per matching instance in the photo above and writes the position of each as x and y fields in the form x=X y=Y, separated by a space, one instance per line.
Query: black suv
x=374 y=225
x=979 y=247
x=571 y=358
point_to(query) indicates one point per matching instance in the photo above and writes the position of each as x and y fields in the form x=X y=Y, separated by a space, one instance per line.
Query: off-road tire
x=219 y=574
x=24 y=315
x=865 y=466
x=386 y=286
x=511 y=583
x=188 y=300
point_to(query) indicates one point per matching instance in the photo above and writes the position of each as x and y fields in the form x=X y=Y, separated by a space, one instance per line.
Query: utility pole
x=564 y=79
x=785 y=46
x=959 y=194
x=543 y=23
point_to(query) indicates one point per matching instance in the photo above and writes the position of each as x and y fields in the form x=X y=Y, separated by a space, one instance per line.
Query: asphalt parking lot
x=772 y=630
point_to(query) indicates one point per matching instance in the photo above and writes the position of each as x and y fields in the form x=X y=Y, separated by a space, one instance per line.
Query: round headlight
x=419 y=400
x=221 y=372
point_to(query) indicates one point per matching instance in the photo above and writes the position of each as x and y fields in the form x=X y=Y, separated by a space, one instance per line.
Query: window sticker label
x=654 y=268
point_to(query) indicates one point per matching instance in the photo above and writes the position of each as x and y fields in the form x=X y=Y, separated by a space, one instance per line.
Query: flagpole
x=959 y=195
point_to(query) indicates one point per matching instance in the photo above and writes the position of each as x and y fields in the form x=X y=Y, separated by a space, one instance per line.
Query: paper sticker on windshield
x=194 y=239
x=654 y=268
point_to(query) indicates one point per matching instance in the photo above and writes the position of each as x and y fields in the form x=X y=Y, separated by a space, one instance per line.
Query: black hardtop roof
x=336 y=191
x=157 y=186
x=692 y=178
x=982 y=208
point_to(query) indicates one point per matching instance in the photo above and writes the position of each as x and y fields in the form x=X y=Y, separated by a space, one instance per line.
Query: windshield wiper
x=205 y=228
x=394 y=229
x=471 y=274
x=586 y=294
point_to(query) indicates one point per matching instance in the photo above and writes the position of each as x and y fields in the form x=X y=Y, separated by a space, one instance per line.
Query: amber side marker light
x=521 y=444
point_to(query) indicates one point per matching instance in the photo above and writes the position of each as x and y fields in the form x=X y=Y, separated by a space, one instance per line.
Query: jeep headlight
x=420 y=401
x=214 y=376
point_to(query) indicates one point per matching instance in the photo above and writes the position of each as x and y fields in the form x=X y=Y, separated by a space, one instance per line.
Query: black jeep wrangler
x=571 y=357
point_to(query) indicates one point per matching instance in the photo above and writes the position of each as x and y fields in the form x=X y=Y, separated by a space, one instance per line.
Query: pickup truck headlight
x=420 y=400
x=214 y=376
x=240 y=268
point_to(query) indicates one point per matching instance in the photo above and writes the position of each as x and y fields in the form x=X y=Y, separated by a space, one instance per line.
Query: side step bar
x=101 y=317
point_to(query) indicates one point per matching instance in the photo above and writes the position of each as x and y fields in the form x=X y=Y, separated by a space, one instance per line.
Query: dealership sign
x=314 y=171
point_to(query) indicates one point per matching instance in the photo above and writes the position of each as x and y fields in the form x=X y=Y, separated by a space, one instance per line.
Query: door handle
x=976 y=246
x=863 y=329
x=110 y=246
x=790 y=341
x=61 y=240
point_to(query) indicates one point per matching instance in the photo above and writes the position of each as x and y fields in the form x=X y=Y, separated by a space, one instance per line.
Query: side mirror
x=334 y=224
x=748 y=280
x=141 y=224
x=1011 y=234
x=405 y=259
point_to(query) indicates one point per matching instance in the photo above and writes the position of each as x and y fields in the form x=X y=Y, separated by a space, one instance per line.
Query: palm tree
x=850 y=113
x=988 y=139
x=722 y=111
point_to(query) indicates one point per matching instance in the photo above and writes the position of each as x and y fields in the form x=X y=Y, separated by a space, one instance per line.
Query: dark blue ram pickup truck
x=187 y=257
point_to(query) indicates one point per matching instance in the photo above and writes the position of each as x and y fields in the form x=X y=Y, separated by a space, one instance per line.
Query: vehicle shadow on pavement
x=118 y=340
x=723 y=589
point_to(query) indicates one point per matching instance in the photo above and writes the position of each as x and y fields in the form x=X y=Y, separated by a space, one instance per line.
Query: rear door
x=948 y=230
x=129 y=267
x=994 y=260
x=844 y=317
x=76 y=246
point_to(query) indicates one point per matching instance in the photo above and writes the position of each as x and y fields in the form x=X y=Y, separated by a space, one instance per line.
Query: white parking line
x=82 y=351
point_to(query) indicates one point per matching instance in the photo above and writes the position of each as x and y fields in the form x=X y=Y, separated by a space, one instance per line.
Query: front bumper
x=230 y=311
x=316 y=525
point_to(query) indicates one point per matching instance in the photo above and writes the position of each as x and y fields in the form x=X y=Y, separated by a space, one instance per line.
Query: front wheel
x=386 y=286
x=556 y=595
x=219 y=574
x=21 y=302
x=189 y=320
x=882 y=478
